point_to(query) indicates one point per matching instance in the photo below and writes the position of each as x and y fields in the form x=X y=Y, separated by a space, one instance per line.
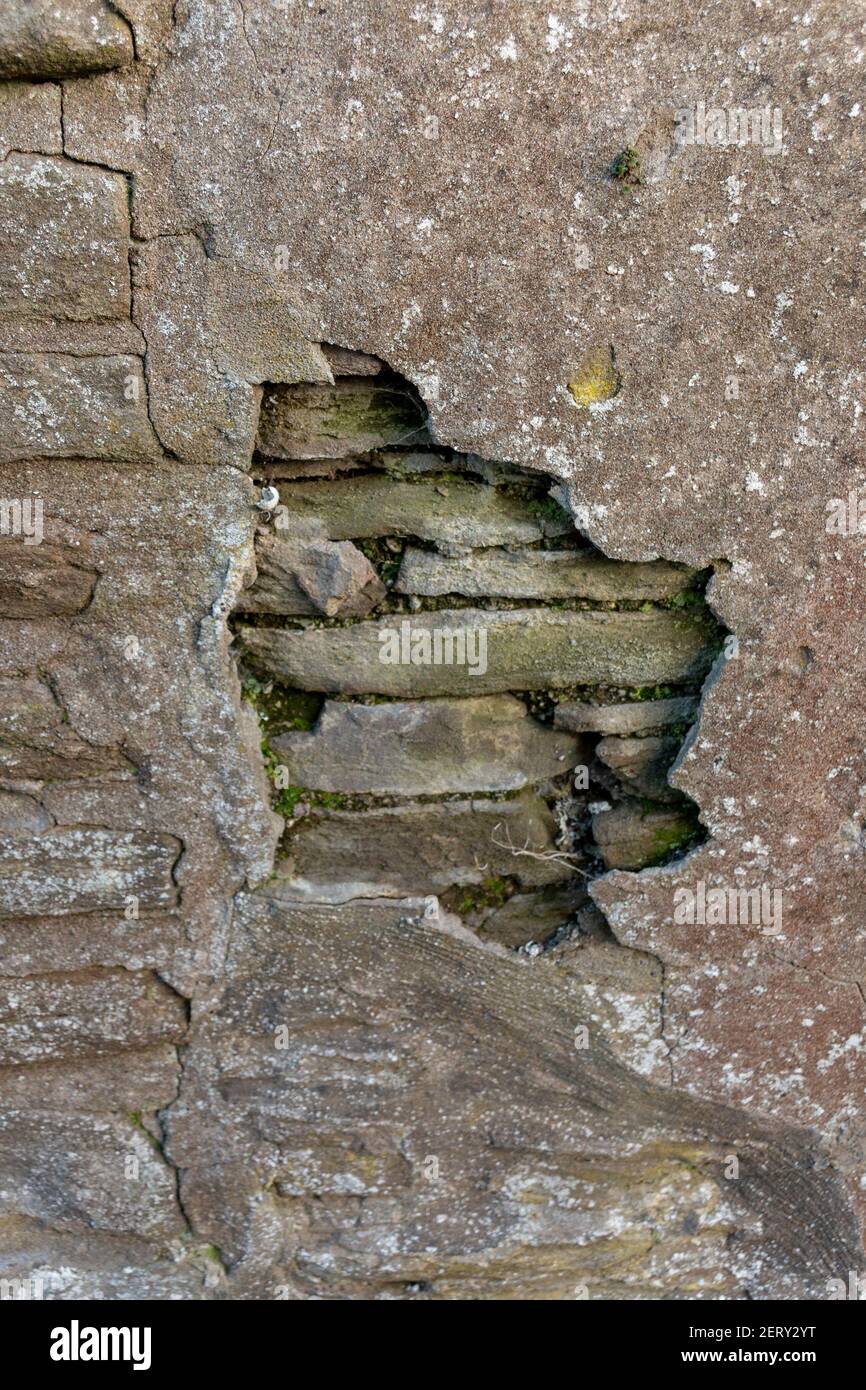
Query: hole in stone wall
x=459 y=695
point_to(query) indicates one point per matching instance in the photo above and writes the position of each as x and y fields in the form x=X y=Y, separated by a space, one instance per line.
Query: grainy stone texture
x=41 y=38
x=538 y=574
x=412 y=849
x=311 y=575
x=452 y=513
x=526 y=649
x=633 y=718
x=430 y=746
x=64 y=240
x=430 y=185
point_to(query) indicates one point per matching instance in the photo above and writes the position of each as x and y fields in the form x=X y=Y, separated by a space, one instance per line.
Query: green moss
x=673 y=839
x=134 y=1117
x=279 y=707
x=492 y=892
x=385 y=553
x=626 y=168
x=548 y=509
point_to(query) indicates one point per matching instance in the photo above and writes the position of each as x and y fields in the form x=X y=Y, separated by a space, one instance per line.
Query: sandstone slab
x=30 y=118
x=69 y=1173
x=632 y=836
x=91 y=1013
x=641 y=764
x=45 y=580
x=57 y=405
x=399 y=851
x=452 y=512
x=393 y=1057
x=44 y=39
x=427 y=747
x=520 y=649
x=214 y=331
x=530 y=916
x=37 y=741
x=635 y=717
x=542 y=574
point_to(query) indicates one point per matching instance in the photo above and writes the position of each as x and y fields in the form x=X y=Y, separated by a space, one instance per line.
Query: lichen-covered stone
x=89 y=1013
x=57 y=405
x=544 y=574
x=79 y=870
x=451 y=1079
x=425 y=747
x=64 y=239
x=621 y=993
x=596 y=378
x=356 y=414
x=451 y=512
x=526 y=649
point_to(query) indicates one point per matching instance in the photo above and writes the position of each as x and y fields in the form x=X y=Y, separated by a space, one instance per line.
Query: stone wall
x=329 y=967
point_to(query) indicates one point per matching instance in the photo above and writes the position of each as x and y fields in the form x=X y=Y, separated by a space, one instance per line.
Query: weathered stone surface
x=134 y=1079
x=526 y=649
x=30 y=118
x=421 y=748
x=344 y=362
x=394 y=1056
x=41 y=38
x=20 y=813
x=641 y=764
x=631 y=836
x=637 y=716
x=620 y=993
x=529 y=916
x=354 y=415
x=452 y=512
x=95 y=1012
x=64 y=237
x=214 y=332
x=546 y=574
x=37 y=741
x=79 y=870
x=295 y=575
x=62 y=406
x=43 y=580
x=738 y=338
x=338 y=855
x=68 y=1171
x=158 y=941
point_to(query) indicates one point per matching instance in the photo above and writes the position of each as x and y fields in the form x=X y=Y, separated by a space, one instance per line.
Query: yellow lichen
x=596 y=379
